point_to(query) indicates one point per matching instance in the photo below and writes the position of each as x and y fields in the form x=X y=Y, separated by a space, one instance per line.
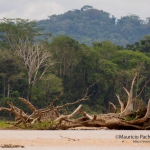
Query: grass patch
x=3 y=124
x=129 y=118
x=43 y=125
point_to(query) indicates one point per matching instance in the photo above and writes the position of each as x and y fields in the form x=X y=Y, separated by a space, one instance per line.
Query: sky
x=41 y=9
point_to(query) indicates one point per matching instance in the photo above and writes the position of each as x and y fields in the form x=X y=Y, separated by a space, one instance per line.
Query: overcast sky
x=41 y=9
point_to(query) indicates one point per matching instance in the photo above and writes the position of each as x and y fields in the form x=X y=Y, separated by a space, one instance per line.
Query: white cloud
x=32 y=9
x=40 y=9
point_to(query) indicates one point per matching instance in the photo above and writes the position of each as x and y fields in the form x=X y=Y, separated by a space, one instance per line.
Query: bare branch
x=130 y=94
x=142 y=89
x=120 y=102
x=34 y=57
x=34 y=120
x=114 y=107
x=52 y=103
x=139 y=106
x=133 y=81
x=129 y=106
x=4 y=108
x=71 y=115
x=32 y=108
x=86 y=115
x=68 y=104
x=126 y=91
x=86 y=97
x=147 y=115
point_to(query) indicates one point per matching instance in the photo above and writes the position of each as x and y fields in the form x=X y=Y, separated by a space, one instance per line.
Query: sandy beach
x=61 y=140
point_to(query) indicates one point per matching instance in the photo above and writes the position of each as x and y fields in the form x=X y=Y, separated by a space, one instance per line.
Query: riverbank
x=60 y=140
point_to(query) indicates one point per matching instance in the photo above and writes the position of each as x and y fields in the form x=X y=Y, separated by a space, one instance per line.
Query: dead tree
x=112 y=120
x=39 y=115
x=34 y=57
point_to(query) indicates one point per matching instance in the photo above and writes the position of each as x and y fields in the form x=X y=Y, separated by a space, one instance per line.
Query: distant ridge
x=89 y=25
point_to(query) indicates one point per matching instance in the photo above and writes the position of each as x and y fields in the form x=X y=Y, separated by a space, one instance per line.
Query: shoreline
x=63 y=139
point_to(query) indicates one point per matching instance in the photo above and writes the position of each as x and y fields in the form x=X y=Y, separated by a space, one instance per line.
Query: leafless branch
x=142 y=89
x=57 y=98
x=133 y=81
x=126 y=91
x=4 y=108
x=147 y=115
x=86 y=97
x=120 y=102
x=32 y=108
x=71 y=115
x=114 y=107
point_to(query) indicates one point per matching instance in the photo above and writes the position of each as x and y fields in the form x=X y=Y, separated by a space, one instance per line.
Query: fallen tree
x=127 y=118
x=39 y=115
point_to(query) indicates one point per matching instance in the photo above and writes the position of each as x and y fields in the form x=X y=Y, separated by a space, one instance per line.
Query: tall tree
x=23 y=38
x=11 y=71
x=65 y=52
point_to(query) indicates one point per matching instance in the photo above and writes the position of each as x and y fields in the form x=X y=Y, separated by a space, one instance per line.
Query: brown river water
x=76 y=140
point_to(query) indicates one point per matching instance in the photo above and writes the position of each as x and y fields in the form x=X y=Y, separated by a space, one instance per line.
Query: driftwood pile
x=140 y=117
x=11 y=146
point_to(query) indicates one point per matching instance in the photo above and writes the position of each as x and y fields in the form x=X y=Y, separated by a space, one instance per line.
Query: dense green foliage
x=90 y=25
x=70 y=67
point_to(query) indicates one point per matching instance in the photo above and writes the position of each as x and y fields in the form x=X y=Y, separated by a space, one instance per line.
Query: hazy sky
x=41 y=9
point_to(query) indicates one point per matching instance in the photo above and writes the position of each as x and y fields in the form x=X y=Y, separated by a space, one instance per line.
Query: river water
x=76 y=140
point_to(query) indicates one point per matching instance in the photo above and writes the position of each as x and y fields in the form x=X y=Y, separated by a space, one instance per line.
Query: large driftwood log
x=111 y=121
x=114 y=120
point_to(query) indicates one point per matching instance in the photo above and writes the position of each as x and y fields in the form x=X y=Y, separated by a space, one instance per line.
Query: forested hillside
x=37 y=69
x=90 y=25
